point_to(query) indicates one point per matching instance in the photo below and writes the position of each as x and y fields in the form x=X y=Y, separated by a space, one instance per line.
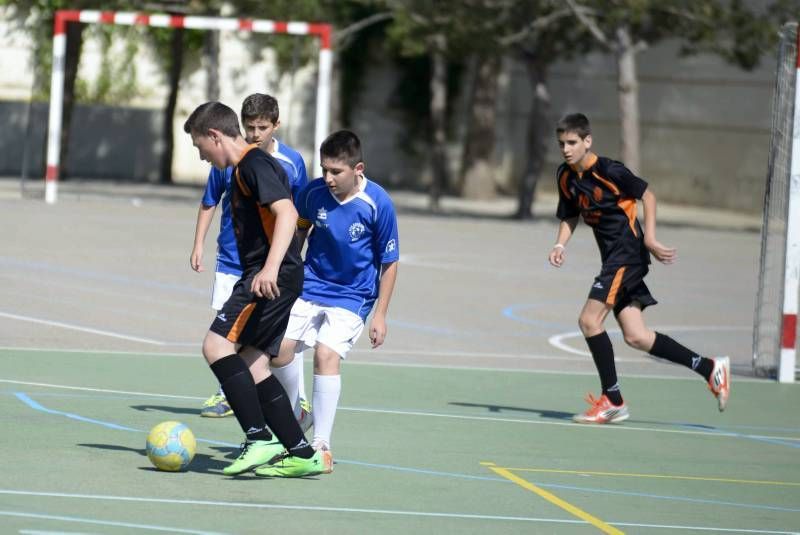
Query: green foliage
x=116 y=81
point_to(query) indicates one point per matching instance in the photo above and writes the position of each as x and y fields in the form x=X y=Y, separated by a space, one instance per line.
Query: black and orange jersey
x=605 y=194
x=259 y=181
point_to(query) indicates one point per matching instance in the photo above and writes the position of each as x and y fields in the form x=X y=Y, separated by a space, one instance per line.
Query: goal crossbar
x=64 y=16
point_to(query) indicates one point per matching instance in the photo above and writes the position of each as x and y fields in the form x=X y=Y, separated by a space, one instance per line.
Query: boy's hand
x=265 y=283
x=196 y=260
x=664 y=254
x=557 y=255
x=377 y=330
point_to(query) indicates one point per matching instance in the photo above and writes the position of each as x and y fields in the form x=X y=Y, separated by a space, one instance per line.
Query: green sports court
x=461 y=423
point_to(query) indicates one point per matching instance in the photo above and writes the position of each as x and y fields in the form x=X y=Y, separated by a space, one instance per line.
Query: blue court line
x=36 y=406
x=511 y=313
x=685 y=425
x=773 y=441
x=94 y=275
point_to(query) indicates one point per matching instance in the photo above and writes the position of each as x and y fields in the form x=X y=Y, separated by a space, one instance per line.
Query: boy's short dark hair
x=342 y=145
x=574 y=122
x=260 y=106
x=214 y=115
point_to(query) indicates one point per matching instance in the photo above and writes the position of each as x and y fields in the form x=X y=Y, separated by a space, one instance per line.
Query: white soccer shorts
x=335 y=327
x=221 y=291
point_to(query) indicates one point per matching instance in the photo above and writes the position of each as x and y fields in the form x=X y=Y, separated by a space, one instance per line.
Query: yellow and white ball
x=171 y=446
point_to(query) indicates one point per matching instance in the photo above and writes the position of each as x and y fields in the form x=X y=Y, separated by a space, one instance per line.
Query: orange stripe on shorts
x=240 y=322
x=612 y=293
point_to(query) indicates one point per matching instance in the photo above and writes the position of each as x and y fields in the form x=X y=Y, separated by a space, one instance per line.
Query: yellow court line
x=552 y=498
x=660 y=476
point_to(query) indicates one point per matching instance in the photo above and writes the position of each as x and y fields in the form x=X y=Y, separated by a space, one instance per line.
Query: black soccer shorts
x=250 y=320
x=621 y=286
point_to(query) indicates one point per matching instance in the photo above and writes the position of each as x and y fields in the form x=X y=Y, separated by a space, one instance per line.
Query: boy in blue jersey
x=260 y=117
x=350 y=267
x=605 y=193
x=249 y=329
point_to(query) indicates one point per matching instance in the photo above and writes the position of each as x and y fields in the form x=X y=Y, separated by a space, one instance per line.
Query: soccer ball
x=171 y=446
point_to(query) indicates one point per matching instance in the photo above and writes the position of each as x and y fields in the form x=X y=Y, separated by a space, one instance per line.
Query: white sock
x=301 y=378
x=326 y=398
x=288 y=376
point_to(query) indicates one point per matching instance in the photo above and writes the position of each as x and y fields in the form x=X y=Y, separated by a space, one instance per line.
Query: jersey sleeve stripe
x=241 y=321
x=629 y=207
x=615 y=284
x=610 y=185
x=242 y=185
x=267 y=222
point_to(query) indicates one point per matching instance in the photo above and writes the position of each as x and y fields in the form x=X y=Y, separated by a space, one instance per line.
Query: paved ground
x=107 y=268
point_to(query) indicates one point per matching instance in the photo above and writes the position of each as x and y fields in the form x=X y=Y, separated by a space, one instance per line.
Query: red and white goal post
x=775 y=323
x=64 y=17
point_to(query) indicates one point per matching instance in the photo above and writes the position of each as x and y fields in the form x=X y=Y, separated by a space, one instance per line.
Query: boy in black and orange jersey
x=250 y=326
x=605 y=193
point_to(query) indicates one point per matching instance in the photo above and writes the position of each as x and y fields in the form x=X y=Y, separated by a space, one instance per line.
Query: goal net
x=775 y=321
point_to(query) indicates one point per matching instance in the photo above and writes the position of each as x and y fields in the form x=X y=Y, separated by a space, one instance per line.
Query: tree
x=547 y=35
x=625 y=28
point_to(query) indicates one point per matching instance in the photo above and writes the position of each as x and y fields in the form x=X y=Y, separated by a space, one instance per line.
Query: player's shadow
x=165 y=408
x=202 y=463
x=544 y=413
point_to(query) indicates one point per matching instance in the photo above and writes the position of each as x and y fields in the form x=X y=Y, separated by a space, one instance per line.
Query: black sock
x=240 y=390
x=279 y=415
x=666 y=348
x=603 y=355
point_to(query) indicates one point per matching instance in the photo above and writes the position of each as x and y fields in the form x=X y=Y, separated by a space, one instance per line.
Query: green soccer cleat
x=255 y=453
x=216 y=407
x=293 y=466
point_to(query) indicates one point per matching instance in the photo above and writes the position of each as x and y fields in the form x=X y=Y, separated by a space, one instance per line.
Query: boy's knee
x=589 y=326
x=637 y=340
x=326 y=360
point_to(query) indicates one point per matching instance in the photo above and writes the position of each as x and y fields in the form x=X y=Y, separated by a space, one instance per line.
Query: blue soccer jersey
x=218 y=189
x=348 y=244
x=293 y=164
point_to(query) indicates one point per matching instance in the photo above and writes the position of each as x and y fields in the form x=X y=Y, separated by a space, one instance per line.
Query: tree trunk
x=211 y=59
x=175 y=67
x=71 y=63
x=438 y=109
x=478 y=171
x=539 y=134
x=628 y=100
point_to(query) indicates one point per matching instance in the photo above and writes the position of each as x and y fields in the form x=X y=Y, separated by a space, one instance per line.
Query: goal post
x=775 y=322
x=63 y=17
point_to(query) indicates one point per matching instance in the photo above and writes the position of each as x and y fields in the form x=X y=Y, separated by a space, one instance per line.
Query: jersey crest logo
x=391 y=245
x=322 y=216
x=355 y=231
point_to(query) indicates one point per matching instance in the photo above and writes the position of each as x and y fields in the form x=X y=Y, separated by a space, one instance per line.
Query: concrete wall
x=106 y=142
x=705 y=125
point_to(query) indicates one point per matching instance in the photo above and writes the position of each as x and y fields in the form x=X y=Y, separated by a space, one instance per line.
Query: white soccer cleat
x=720 y=381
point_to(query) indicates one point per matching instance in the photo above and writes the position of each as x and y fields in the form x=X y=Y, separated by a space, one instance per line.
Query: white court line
x=350 y=510
x=720 y=434
x=80 y=328
x=556 y=339
x=148 y=527
x=480 y=369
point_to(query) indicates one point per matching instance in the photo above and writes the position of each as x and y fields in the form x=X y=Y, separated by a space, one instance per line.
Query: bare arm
x=377 y=329
x=565 y=230
x=204 y=217
x=663 y=254
x=265 y=283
